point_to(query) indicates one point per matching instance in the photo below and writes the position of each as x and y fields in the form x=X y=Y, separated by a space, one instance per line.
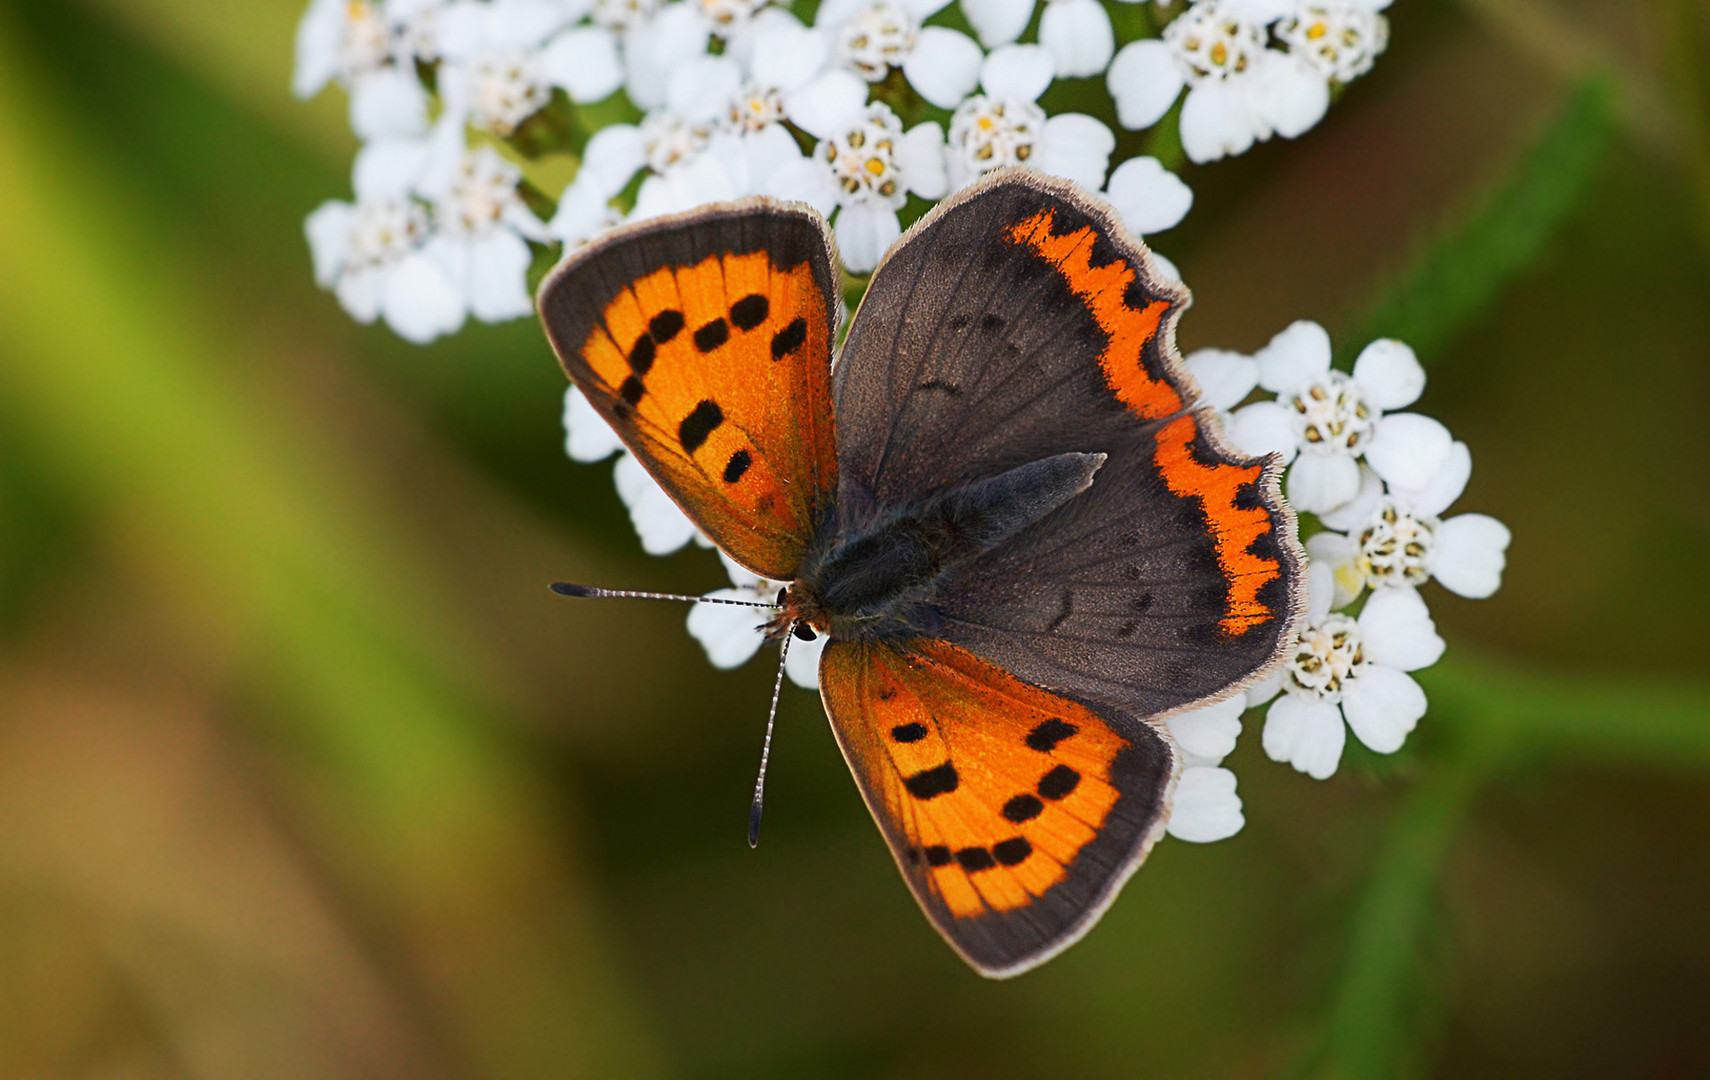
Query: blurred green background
x=304 y=774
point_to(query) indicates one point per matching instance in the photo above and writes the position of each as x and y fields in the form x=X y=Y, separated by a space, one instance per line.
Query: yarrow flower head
x=1004 y=126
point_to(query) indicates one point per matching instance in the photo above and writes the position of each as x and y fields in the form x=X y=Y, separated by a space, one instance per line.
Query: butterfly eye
x=783 y=592
x=805 y=632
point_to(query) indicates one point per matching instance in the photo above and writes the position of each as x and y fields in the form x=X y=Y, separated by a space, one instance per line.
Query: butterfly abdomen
x=877 y=580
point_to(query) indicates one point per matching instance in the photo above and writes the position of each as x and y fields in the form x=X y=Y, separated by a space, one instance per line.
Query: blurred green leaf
x=1460 y=271
x=123 y=377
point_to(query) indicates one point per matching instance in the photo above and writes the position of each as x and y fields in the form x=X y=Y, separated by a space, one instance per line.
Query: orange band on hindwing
x=1217 y=488
x=1104 y=289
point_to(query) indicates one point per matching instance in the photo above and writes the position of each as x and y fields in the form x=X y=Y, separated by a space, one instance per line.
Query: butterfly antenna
x=766 y=747
x=564 y=588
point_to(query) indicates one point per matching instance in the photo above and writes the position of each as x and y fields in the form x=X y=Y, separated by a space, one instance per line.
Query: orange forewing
x=987 y=789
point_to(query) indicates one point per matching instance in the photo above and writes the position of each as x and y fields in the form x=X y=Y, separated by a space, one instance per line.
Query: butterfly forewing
x=705 y=341
x=1014 y=814
x=1019 y=321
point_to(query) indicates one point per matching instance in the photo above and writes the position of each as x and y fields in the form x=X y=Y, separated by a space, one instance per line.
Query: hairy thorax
x=878 y=580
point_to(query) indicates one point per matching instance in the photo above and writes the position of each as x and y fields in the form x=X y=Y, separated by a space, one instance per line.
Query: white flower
x=1396 y=538
x=732 y=635
x=655 y=47
x=663 y=527
x=1324 y=421
x=369 y=48
x=484 y=230
x=1239 y=91
x=1149 y=197
x=587 y=436
x=1339 y=39
x=500 y=66
x=1078 y=35
x=866 y=170
x=998 y=22
x=375 y=254
x=1353 y=671
x=1004 y=127
x=1206 y=807
x=870 y=37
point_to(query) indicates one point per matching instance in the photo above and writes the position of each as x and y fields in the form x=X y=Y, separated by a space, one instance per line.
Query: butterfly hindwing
x=1014 y=814
x=1018 y=321
x=705 y=341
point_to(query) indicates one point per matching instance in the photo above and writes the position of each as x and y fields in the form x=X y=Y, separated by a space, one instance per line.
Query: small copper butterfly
x=999 y=501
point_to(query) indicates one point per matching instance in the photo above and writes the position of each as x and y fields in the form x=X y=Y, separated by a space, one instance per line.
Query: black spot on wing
x=1064 y=610
x=1047 y=735
x=642 y=353
x=632 y=390
x=938 y=855
x=932 y=782
x=1059 y=783
x=700 y=423
x=789 y=339
x=712 y=335
x=1022 y=808
x=908 y=733
x=1012 y=852
x=665 y=325
x=975 y=858
x=750 y=311
x=736 y=466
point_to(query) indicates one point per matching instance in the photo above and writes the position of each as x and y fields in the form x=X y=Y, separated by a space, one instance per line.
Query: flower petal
x=319 y=35
x=1444 y=487
x=1225 y=378
x=498 y=277
x=1408 y=450
x=700 y=89
x=1206 y=807
x=583 y=211
x=865 y=231
x=1207 y=734
x=1150 y=199
x=731 y=635
x=1398 y=630
x=612 y=156
x=1382 y=706
x=1320 y=482
x=944 y=66
x=1078 y=36
x=359 y=291
x=1307 y=734
x=388 y=103
x=806 y=179
x=587 y=436
x=663 y=528
x=584 y=61
x=328 y=231
x=1076 y=147
x=802 y=665
x=1389 y=374
x=1144 y=81
x=920 y=156
x=1286 y=95
x=1264 y=427
x=1261 y=692
x=418 y=302
x=1017 y=71
x=1337 y=553
x=1352 y=514
x=788 y=55
x=1294 y=357
x=1470 y=556
x=829 y=103
x=1320 y=592
x=998 y=22
x=1218 y=121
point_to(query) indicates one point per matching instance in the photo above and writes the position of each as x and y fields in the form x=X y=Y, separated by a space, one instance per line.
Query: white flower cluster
x=1378 y=482
x=455 y=99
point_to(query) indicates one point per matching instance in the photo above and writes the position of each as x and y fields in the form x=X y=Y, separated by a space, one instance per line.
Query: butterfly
x=1025 y=541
